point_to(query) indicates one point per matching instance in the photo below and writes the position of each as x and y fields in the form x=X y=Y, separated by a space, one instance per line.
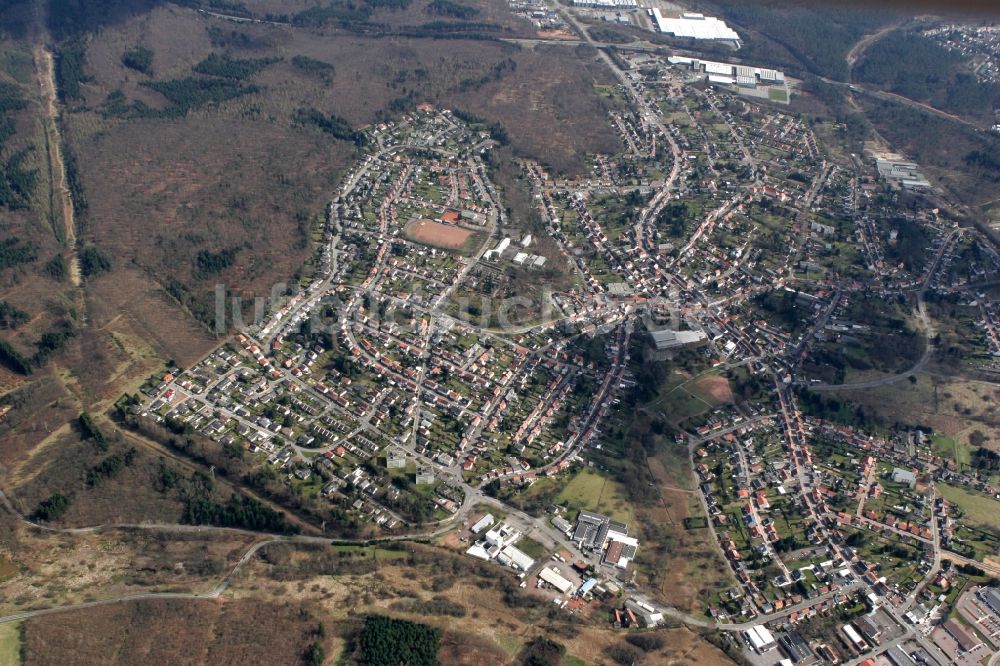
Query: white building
x=606 y=4
x=621 y=550
x=483 y=523
x=498 y=250
x=760 y=639
x=900 y=475
x=723 y=73
x=517 y=558
x=694 y=26
x=854 y=637
x=555 y=579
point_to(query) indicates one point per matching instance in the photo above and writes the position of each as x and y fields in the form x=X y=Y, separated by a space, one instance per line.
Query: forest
x=345 y=13
x=50 y=343
x=53 y=507
x=451 y=9
x=11 y=316
x=69 y=63
x=89 y=430
x=986 y=460
x=110 y=467
x=16 y=182
x=334 y=125
x=913 y=66
x=140 y=59
x=209 y=263
x=987 y=163
x=674 y=218
x=67 y=18
x=190 y=93
x=13 y=360
x=11 y=98
x=817 y=35
x=386 y=640
x=229 y=68
x=245 y=512
x=909 y=246
x=308 y=65
x=14 y=252
x=93 y=261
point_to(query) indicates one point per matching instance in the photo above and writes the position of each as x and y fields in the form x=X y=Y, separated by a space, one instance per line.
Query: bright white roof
x=518 y=558
x=555 y=579
x=694 y=26
x=483 y=523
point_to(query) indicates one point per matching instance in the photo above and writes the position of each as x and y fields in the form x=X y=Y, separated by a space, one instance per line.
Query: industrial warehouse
x=725 y=73
x=744 y=79
x=596 y=532
x=691 y=25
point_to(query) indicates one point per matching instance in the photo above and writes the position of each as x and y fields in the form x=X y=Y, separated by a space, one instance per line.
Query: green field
x=682 y=398
x=951 y=448
x=372 y=551
x=7 y=568
x=10 y=644
x=777 y=95
x=979 y=509
x=594 y=492
x=531 y=548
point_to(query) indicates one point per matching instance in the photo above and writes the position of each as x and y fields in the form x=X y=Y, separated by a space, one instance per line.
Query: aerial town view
x=541 y=332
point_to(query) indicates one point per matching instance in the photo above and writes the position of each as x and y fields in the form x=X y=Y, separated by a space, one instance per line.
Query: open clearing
x=979 y=509
x=170 y=631
x=10 y=644
x=59 y=569
x=953 y=406
x=594 y=492
x=436 y=234
x=712 y=388
x=684 y=397
x=682 y=566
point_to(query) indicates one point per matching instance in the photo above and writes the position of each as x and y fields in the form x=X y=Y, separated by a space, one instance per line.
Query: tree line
x=313 y=66
x=110 y=467
x=190 y=93
x=451 y=9
x=239 y=512
x=140 y=59
x=12 y=316
x=209 y=263
x=16 y=182
x=50 y=343
x=232 y=68
x=89 y=430
x=334 y=125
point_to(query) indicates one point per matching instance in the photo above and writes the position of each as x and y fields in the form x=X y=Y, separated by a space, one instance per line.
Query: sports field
x=435 y=234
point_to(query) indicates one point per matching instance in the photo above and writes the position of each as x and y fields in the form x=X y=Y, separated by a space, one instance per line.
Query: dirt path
x=865 y=42
x=45 y=68
x=862 y=44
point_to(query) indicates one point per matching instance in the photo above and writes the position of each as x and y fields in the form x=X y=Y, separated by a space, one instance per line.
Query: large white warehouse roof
x=555 y=579
x=695 y=26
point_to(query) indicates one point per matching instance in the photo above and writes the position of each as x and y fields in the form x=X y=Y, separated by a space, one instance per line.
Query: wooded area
x=913 y=66
x=386 y=641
